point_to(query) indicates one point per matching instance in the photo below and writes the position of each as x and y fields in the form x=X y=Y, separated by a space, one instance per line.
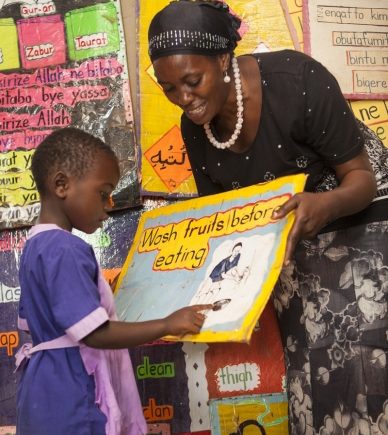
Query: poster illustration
x=225 y=250
x=263 y=414
x=351 y=40
x=61 y=64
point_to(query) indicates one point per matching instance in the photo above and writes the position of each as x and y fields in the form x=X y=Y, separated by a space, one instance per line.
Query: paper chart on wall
x=352 y=42
x=61 y=64
x=223 y=249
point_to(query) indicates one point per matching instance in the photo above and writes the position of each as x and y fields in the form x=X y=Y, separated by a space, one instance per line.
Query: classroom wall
x=184 y=388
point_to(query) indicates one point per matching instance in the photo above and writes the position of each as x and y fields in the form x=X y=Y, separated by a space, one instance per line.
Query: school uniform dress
x=69 y=390
x=332 y=300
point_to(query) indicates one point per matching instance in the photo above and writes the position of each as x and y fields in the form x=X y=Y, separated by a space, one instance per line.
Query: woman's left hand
x=357 y=187
x=312 y=212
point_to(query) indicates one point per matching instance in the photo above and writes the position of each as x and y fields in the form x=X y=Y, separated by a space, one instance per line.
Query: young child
x=79 y=379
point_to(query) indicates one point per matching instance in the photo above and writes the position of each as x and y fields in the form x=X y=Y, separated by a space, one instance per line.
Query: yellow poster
x=373 y=113
x=223 y=249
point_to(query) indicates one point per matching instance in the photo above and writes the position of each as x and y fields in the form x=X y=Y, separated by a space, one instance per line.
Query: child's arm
x=121 y=335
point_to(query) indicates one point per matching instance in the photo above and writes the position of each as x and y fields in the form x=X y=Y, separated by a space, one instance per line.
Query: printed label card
x=223 y=249
x=92 y=31
x=42 y=41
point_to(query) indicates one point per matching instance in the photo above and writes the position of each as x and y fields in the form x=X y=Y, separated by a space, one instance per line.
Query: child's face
x=88 y=199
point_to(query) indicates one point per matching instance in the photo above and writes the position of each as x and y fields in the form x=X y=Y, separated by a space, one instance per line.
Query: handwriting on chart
x=88 y=70
x=154 y=412
x=366 y=46
x=155 y=370
x=9 y=294
x=15 y=161
x=374 y=113
x=27 y=139
x=17 y=213
x=9 y=340
x=14 y=189
x=9 y=242
x=49 y=96
x=240 y=377
x=169 y=157
x=184 y=244
x=27 y=10
x=43 y=118
x=352 y=15
x=16 y=181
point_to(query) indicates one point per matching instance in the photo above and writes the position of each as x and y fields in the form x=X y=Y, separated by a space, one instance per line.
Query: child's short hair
x=69 y=149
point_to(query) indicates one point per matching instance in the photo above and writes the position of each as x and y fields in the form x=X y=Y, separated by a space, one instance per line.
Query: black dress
x=332 y=299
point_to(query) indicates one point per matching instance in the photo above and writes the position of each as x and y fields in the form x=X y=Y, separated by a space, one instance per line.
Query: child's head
x=70 y=150
x=75 y=174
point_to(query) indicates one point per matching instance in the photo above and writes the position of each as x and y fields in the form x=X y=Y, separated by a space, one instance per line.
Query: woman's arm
x=313 y=211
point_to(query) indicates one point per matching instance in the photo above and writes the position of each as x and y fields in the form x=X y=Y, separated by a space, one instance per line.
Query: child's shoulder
x=58 y=240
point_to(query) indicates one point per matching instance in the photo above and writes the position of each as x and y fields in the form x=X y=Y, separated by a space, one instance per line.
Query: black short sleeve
x=332 y=130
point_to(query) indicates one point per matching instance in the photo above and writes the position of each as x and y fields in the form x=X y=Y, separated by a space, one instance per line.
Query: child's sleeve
x=22 y=322
x=332 y=129
x=72 y=288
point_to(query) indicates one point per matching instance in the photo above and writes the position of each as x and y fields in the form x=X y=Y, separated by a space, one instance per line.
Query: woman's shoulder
x=286 y=55
x=283 y=61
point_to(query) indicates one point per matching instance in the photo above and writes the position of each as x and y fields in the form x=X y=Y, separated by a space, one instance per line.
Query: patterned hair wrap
x=193 y=27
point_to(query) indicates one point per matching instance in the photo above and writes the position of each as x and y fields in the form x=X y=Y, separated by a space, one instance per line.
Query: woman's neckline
x=257 y=80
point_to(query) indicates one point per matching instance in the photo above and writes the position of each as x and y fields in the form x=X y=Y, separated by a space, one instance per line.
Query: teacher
x=256 y=117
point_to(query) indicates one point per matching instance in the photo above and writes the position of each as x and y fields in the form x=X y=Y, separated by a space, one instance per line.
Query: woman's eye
x=194 y=83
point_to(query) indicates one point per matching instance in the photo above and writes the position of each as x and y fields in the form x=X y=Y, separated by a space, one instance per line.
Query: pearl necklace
x=240 y=112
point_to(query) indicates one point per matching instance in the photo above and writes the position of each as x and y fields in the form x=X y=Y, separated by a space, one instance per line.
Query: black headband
x=193 y=27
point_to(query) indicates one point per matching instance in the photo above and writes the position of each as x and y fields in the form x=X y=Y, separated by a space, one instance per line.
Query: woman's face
x=194 y=83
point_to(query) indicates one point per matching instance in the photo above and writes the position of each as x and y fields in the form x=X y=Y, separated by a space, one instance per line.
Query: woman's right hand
x=187 y=320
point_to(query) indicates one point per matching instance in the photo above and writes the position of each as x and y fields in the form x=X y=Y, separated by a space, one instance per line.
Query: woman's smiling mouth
x=196 y=113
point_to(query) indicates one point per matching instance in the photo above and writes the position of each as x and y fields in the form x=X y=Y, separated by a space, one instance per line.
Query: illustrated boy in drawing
x=226 y=269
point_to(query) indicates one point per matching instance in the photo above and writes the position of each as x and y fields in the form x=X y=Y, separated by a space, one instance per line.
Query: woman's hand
x=313 y=211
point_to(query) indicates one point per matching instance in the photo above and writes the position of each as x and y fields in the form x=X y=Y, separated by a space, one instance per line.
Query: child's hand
x=187 y=320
